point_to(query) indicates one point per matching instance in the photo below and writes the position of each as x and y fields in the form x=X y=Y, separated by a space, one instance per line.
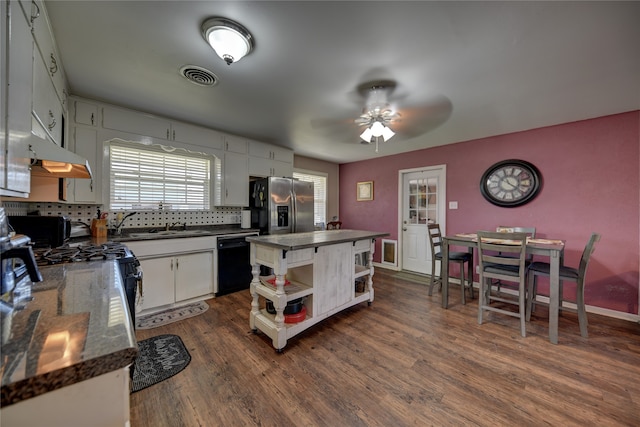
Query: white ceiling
x=478 y=68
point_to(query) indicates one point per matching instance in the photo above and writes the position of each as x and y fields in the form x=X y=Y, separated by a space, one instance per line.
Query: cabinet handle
x=91 y=185
x=177 y=263
x=53 y=121
x=171 y=265
x=174 y=135
x=167 y=133
x=92 y=120
x=54 y=65
x=35 y=15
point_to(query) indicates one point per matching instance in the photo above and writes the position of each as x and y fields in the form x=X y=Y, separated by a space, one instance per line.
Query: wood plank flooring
x=403 y=361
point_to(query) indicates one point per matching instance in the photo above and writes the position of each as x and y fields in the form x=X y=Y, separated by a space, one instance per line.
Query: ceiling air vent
x=198 y=75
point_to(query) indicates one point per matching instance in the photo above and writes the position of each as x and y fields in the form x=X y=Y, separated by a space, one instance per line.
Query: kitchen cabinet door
x=47 y=109
x=235 y=182
x=158 y=282
x=46 y=47
x=85 y=113
x=17 y=89
x=135 y=122
x=235 y=144
x=85 y=144
x=194 y=275
x=190 y=134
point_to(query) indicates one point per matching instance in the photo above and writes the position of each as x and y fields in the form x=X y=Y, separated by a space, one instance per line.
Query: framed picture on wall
x=364 y=191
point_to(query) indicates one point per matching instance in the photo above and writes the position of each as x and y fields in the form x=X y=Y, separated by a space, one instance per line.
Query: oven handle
x=139 y=278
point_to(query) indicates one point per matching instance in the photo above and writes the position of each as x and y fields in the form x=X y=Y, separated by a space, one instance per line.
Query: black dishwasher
x=234 y=270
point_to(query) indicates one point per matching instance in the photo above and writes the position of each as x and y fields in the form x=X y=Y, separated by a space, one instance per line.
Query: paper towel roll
x=246 y=219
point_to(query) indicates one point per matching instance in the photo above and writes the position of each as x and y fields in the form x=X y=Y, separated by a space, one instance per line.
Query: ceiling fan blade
x=416 y=121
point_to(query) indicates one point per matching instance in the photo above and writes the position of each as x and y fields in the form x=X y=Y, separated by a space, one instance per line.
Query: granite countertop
x=75 y=328
x=313 y=239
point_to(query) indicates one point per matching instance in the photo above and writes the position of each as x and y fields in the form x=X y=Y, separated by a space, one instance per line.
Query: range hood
x=48 y=159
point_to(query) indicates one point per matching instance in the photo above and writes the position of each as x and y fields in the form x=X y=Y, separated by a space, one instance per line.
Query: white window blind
x=319 y=194
x=143 y=178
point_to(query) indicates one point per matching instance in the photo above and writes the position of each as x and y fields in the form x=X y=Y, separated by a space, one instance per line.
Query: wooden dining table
x=552 y=249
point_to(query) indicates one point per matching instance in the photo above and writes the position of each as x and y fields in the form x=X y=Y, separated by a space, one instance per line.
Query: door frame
x=442 y=202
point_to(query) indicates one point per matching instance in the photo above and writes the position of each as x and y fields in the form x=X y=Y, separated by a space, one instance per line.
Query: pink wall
x=591 y=182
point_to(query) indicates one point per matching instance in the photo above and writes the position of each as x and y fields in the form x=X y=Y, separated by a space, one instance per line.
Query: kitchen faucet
x=168 y=226
x=118 y=225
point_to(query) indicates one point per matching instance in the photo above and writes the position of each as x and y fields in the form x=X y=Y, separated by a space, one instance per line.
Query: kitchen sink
x=163 y=233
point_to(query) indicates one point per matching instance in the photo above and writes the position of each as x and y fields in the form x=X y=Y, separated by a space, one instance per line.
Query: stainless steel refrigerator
x=281 y=205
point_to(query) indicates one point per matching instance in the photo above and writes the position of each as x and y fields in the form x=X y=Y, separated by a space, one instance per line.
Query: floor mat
x=171 y=315
x=158 y=358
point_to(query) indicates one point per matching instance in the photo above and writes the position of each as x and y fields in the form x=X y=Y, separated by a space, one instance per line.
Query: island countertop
x=75 y=328
x=295 y=241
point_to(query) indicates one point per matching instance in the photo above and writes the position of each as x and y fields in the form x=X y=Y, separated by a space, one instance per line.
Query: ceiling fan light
x=387 y=133
x=230 y=40
x=366 y=135
x=377 y=129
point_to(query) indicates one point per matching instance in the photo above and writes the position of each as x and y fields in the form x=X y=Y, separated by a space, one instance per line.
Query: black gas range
x=130 y=270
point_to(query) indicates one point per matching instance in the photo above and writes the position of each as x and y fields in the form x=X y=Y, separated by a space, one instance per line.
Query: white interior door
x=422 y=202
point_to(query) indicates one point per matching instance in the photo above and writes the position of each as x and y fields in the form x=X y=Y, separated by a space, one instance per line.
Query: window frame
x=208 y=192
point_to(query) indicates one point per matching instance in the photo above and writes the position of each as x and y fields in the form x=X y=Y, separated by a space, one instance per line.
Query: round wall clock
x=510 y=183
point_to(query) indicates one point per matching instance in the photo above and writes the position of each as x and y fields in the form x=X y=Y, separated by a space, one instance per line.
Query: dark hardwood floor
x=401 y=361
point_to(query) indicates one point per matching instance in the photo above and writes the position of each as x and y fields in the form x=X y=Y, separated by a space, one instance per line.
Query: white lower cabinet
x=175 y=270
x=169 y=280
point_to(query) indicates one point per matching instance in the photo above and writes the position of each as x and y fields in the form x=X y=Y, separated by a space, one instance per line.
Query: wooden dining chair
x=531 y=232
x=435 y=240
x=502 y=256
x=566 y=274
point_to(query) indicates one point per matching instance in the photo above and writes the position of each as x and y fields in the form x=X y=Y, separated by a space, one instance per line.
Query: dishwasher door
x=234 y=270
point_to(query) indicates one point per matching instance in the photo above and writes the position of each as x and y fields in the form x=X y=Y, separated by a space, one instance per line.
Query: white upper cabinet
x=16 y=92
x=235 y=144
x=46 y=46
x=269 y=160
x=85 y=113
x=191 y=134
x=47 y=109
x=147 y=125
x=135 y=122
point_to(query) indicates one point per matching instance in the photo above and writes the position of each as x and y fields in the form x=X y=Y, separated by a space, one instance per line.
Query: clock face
x=510 y=183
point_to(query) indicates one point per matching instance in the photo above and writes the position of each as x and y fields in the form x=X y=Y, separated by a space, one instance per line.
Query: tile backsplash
x=155 y=218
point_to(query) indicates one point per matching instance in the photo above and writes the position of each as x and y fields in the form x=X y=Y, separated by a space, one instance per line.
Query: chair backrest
x=334 y=225
x=435 y=238
x=531 y=231
x=492 y=245
x=586 y=254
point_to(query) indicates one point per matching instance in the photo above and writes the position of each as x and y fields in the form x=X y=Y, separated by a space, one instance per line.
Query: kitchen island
x=66 y=354
x=328 y=270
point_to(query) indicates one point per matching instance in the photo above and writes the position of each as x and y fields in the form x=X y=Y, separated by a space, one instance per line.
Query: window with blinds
x=319 y=193
x=142 y=178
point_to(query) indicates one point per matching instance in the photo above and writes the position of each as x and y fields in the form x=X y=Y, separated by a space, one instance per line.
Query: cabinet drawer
x=362 y=245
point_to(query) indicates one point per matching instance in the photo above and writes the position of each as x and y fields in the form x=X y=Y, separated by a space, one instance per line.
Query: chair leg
x=462 y=282
x=522 y=307
x=470 y=277
x=432 y=282
x=481 y=299
x=582 y=312
x=531 y=294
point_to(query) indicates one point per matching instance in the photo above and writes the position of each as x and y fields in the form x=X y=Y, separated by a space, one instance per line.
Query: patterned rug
x=171 y=315
x=158 y=358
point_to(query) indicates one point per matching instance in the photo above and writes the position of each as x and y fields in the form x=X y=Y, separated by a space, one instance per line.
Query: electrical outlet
x=477 y=269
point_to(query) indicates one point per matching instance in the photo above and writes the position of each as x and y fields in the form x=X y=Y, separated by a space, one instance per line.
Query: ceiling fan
x=389 y=110
x=378 y=114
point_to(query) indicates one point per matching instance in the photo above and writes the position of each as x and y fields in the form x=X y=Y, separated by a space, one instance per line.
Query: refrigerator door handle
x=294 y=211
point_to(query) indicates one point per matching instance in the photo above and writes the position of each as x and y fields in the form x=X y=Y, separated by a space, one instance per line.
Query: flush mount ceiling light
x=230 y=40
x=377 y=114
